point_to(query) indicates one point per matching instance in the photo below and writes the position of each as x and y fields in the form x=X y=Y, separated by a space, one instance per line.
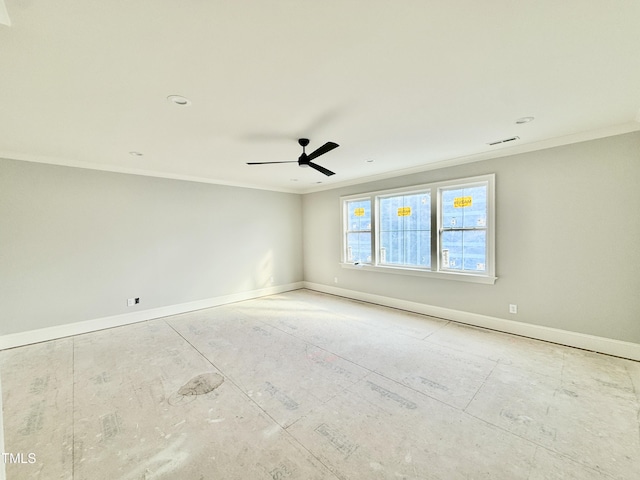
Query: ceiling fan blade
x=327 y=147
x=264 y=163
x=327 y=172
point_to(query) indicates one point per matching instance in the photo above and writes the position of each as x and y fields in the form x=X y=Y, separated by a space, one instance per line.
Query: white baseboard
x=604 y=345
x=67 y=330
x=608 y=346
x=3 y=472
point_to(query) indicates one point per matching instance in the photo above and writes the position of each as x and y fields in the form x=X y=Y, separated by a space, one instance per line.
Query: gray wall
x=75 y=243
x=567 y=240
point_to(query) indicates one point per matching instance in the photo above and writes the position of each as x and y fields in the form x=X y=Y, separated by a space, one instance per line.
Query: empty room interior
x=319 y=240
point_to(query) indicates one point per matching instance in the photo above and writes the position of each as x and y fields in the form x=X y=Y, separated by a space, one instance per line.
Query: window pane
x=464 y=250
x=417 y=247
x=474 y=249
x=359 y=215
x=391 y=246
x=405 y=230
x=475 y=215
x=451 y=216
x=464 y=207
x=389 y=219
x=359 y=247
x=451 y=250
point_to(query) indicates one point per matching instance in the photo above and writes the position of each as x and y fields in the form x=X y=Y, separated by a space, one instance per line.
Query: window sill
x=460 y=277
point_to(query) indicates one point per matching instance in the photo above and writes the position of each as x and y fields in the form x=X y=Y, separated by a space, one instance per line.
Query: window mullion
x=435 y=230
x=375 y=254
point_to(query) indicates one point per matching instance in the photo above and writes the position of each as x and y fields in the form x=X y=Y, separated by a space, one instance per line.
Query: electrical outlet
x=133 y=301
x=513 y=308
x=335 y=279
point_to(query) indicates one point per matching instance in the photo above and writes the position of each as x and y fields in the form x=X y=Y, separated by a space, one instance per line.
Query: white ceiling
x=410 y=84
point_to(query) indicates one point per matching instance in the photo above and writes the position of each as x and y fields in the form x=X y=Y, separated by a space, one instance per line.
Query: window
x=463 y=231
x=443 y=229
x=358 y=231
x=405 y=229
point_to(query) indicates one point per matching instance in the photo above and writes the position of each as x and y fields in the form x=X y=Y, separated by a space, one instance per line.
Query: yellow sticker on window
x=404 y=211
x=461 y=202
x=358 y=212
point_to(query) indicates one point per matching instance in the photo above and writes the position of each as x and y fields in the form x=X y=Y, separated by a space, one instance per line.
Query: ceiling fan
x=304 y=160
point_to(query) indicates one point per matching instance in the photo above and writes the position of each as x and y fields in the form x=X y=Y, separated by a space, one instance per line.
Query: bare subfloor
x=309 y=386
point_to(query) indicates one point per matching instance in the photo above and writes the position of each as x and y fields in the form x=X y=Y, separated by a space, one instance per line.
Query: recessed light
x=136 y=154
x=179 y=100
x=294 y=179
x=522 y=120
x=370 y=161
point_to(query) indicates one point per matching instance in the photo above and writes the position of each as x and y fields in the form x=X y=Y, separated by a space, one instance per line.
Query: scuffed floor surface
x=309 y=386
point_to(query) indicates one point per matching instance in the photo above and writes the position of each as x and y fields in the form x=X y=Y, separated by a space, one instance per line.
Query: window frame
x=346 y=230
x=378 y=231
x=435 y=270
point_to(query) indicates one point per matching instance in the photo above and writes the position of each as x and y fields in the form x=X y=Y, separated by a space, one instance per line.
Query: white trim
x=415 y=272
x=87 y=326
x=3 y=473
x=604 y=345
x=490 y=154
x=425 y=166
x=137 y=171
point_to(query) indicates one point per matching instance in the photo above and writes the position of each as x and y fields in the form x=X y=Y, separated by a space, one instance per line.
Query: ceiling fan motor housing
x=303 y=161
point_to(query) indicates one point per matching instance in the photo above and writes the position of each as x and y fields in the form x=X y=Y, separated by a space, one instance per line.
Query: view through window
x=445 y=227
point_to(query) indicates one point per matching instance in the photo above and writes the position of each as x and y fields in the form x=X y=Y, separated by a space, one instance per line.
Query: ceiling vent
x=504 y=141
